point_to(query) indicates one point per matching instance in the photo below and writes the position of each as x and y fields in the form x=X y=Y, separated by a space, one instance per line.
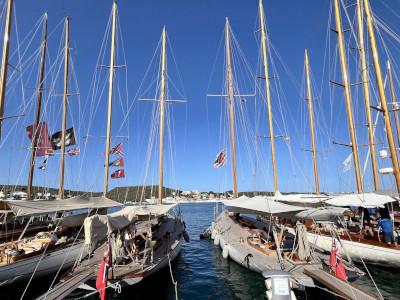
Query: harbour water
x=202 y=273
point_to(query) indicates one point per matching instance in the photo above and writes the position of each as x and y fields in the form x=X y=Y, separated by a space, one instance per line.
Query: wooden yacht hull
x=231 y=237
x=371 y=254
x=44 y=264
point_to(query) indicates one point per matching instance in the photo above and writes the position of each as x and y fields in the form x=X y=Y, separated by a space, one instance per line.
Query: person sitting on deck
x=387 y=228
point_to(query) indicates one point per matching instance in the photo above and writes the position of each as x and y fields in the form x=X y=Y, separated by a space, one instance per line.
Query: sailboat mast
x=231 y=98
x=268 y=94
x=365 y=80
x=311 y=113
x=162 y=115
x=394 y=100
x=35 y=128
x=110 y=96
x=65 y=107
x=382 y=94
x=346 y=86
x=4 y=60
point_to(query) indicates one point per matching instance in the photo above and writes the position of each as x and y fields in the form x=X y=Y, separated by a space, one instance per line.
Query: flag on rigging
x=43 y=166
x=347 y=163
x=220 y=159
x=119 y=162
x=43 y=145
x=118 y=174
x=118 y=149
x=102 y=276
x=73 y=151
x=69 y=138
x=336 y=263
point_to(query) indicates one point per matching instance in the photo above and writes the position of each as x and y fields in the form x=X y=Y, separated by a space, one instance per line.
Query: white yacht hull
x=44 y=264
x=382 y=256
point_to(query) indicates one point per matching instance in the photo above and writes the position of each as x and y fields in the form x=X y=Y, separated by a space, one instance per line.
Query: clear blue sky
x=195 y=29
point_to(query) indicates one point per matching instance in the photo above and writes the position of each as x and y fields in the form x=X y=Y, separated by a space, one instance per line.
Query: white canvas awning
x=260 y=206
x=23 y=208
x=366 y=200
x=97 y=227
x=300 y=198
x=330 y=213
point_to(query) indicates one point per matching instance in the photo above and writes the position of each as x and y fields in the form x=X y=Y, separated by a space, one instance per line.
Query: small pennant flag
x=118 y=149
x=43 y=166
x=118 y=174
x=347 y=163
x=119 y=162
x=220 y=159
x=74 y=151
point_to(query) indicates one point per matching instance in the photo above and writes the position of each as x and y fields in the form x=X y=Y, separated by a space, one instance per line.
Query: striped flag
x=220 y=159
x=74 y=151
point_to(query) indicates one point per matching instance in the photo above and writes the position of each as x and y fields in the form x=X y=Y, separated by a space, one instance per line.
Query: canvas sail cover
x=22 y=208
x=328 y=213
x=98 y=227
x=366 y=200
x=259 y=206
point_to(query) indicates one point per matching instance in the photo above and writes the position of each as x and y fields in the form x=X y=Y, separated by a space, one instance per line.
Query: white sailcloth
x=347 y=163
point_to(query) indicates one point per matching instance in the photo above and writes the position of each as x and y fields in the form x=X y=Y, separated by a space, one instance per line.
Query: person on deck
x=387 y=228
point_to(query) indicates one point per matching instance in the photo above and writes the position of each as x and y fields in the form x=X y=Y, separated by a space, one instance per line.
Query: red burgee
x=102 y=276
x=43 y=146
x=118 y=174
x=336 y=263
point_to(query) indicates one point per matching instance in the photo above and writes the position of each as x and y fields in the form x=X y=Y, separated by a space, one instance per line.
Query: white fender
x=216 y=239
x=212 y=225
x=213 y=233
x=225 y=251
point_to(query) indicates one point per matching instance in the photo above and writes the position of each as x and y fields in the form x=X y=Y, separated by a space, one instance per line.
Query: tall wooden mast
x=65 y=107
x=268 y=93
x=35 y=131
x=110 y=96
x=394 y=100
x=231 y=98
x=365 y=80
x=346 y=86
x=382 y=95
x=311 y=114
x=4 y=60
x=162 y=115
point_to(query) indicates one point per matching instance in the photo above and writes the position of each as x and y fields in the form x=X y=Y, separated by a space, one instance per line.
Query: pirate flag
x=69 y=139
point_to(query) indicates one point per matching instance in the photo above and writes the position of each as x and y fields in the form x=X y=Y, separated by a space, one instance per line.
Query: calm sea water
x=202 y=273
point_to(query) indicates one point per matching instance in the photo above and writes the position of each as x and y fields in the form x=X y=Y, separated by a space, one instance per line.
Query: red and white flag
x=73 y=151
x=43 y=145
x=102 y=276
x=118 y=174
x=220 y=159
x=336 y=263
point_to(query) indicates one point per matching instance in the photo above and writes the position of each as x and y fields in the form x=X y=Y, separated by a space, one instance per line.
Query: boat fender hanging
x=247 y=260
x=216 y=240
x=213 y=233
x=225 y=251
x=186 y=236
